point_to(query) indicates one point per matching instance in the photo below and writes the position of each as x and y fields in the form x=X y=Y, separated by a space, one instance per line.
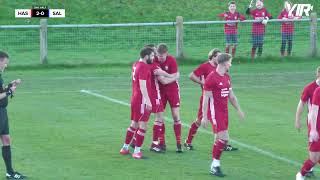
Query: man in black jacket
x=5 y=92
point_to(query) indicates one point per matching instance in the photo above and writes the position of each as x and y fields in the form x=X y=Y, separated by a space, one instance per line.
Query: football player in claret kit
x=140 y=102
x=258 y=28
x=313 y=136
x=157 y=76
x=231 y=28
x=4 y=122
x=287 y=29
x=218 y=91
x=306 y=98
x=170 y=93
x=198 y=76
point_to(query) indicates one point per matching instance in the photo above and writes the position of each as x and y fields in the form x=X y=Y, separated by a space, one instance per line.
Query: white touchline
x=250 y=147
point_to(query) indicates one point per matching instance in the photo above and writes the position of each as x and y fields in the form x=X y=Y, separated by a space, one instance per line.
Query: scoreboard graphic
x=40 y=11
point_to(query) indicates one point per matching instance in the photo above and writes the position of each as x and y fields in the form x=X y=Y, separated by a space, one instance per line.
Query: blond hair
x=213 y=53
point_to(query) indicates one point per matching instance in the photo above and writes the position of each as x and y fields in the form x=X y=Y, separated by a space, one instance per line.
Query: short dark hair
x=3 y=55
x=223 y=57
x=231 y=2
x=146 y=51
x=162 y=48
x=152 y=46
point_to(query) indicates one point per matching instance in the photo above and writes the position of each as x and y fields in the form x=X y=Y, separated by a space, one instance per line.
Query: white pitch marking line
x=250 y=147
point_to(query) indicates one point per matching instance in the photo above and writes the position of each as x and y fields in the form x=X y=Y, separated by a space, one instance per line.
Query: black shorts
x=4 y=124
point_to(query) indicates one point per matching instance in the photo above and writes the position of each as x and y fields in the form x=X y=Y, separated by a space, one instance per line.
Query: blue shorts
x=286 y=36
x=257 y=39
x=231 y=38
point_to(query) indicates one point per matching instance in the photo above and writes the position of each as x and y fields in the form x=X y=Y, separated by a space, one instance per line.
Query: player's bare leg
x=129 y=136
x=314 y=158
x=221 y=141
x=177 y=127
x=157 y=131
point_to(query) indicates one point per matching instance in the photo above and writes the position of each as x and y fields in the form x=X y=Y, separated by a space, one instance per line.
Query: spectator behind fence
x=287 y=28
x=231 y=28
x=258 y=28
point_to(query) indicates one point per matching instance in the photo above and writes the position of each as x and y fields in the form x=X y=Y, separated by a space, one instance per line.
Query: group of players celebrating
x=155 y=83
x=258 y=28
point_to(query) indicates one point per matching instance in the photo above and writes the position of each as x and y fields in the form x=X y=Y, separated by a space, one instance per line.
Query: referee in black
x=6 y=92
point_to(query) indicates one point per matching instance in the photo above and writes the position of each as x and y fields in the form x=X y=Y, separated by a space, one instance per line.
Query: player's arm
x=9 y=90
x=3 y=95
x=269 y=16
x=314 y=136
x=248 y=11
x=223 y=15
x=144 y=92
x=234 y=101
x=206 y=96
x=299 y=112
x=266 y=18
x=242 y=17
x=168 y=80
x=160 y=72
x=195 y=78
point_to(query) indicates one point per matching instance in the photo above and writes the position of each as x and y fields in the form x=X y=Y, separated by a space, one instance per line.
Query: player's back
x=140 y=71
x=316 y=101
x=203 y=70
x=208 y=68
x=308 y=92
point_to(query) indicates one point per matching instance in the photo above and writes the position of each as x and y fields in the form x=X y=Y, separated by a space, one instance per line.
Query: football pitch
x=70 y=123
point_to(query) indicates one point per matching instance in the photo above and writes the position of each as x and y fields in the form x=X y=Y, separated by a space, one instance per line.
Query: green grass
x=60 y=133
